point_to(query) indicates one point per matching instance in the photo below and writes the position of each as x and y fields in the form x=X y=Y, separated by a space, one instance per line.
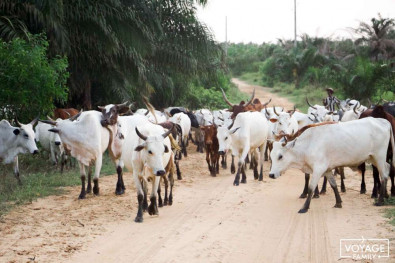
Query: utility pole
x=295 y=23
x=226 y=36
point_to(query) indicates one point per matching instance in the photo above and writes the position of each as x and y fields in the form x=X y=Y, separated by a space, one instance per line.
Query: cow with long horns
x=16 y=140
x=250 y=105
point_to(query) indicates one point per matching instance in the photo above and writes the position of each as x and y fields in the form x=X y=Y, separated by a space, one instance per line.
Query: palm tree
x=377 y=37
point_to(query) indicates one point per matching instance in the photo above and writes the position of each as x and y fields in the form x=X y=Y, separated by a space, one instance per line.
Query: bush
x=29 y=81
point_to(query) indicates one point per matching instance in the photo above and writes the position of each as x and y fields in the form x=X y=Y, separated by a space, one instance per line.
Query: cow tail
x=150 y=108
x=393 y=147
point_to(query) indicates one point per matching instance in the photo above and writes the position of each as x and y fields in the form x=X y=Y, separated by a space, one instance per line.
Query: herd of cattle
x=150 y=143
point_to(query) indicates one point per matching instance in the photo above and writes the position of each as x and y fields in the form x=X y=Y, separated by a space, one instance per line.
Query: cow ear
x=123 y=109
x=234 y=130
x=273 y=120
x=139 y=148
x=17 y=131
x=166 y=149
x=291 y=145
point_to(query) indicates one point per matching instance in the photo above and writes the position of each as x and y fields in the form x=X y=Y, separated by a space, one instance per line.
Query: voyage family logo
x=362 y=248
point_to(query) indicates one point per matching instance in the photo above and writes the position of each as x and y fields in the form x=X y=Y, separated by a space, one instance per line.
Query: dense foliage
x=360 y=69
x=121 y=49
x=29 y=81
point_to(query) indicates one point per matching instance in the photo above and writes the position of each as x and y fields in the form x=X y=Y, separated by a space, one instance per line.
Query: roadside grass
x=39 y=179
x=297 y=96
x=390 y=212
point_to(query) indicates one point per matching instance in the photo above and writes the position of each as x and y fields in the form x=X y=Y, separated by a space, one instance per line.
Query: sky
x=261 y=21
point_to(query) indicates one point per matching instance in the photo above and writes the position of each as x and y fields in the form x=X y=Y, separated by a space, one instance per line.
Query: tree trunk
x=87 y=98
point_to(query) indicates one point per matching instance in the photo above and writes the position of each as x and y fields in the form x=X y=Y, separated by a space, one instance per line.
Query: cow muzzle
x=272 y=176
x=35 y=152
x=221 y=153
x=160 y=173
x=57 y=143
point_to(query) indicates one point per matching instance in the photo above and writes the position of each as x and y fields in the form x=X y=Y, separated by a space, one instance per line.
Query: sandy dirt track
x=210 y=221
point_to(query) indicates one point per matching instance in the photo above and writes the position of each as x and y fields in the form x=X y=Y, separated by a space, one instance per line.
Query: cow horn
x=292 y=112
x=68 y=113
x=266 y=113
x=221 y=119
x=55 y=130
x=168 y=132
x=231 y=125
x=76 y=116
x=285 y=141
x=370 y=103
x=33 y=122
x=99 y=107
x=252 y=97
x=146 y=113
x=274 y=109
x=143 y=137
x=123 y=104
x=265 y=104
x=49 y=118
x=226 y=99
x=355 y=107
x=310 y=104
x=51 y=122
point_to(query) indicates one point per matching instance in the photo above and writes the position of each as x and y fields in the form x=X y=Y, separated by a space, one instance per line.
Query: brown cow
x=251 y=105
x=64 y=113
x=378 y=112
x=212 y=147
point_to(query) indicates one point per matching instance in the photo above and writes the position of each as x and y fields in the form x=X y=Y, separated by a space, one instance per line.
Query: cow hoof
x=373 y=195
x=96 y=191
x=316 y=196
x=386 y=195
x=338 y=205
x=232 y=170
x=81 y=196
x=322 y=192
x=235 y=183
x=379 y=203
x=160 y=205
x=119 y=191
x=165 y=203
x=343 y=190
x=243 y=181
x=303 y=195
x=88 y=190
x=138 y=219
x=153 y=210
x=303 y=210
x=179 y=177
x=363 y=191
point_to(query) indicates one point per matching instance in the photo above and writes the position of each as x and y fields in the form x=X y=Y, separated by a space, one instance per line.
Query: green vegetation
x=29 y=81
x=120 y=50
x=358 y=69
x=39 y=179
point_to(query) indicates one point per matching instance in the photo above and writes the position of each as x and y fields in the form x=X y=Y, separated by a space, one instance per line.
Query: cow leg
x=247 y=159
x=376 y=182
x=267 y=152
x=255 y=168
x=342 y=177
x=153 y=208
x=323 y=189
x=98 y=165
x=191 y=138
x=140 y=195
x=384 y=170
x=362 y=168
x=223 y=161
x=144 y=184
x=63 y=161
x=392 y=176
x=184 y=149
x=216 y=157
x=89 y=187
x=208 y=160
x=160 y=201
x=252 y=162
x=306 y=186
x=171 y=179
x=261 y=161
x=120 y=187
x=237 y=177
x=333 y=184
x=165 y=180
x=82 y=173
x=179 y=177
x=232 y=166
x=16 y=170
x=312 y=185
x=243 y=173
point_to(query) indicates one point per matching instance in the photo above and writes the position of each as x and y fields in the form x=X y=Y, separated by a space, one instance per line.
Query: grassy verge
x=296 y=96
x=39 y=179
x=390 y=212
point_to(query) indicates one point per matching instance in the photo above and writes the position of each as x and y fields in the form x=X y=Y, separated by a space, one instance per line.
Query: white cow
x=304 y=119
x=249 y=131
x=185 y=123
x=318 y=150
x=49 y=141
x=16 y=140
x=86 y=140
x=159 y=116
x=147 y=154
x=225 y=142
x=284 y=123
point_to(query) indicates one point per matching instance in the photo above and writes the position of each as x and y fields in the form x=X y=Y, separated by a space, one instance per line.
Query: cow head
x=25 y=137
x=224 y=139
x=111 y=112
x=282 y=157
x=153 y=148
x=210 y=132
x=282 y=121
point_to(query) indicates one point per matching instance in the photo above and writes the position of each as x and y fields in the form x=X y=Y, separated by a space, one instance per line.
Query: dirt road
x=210 y=221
